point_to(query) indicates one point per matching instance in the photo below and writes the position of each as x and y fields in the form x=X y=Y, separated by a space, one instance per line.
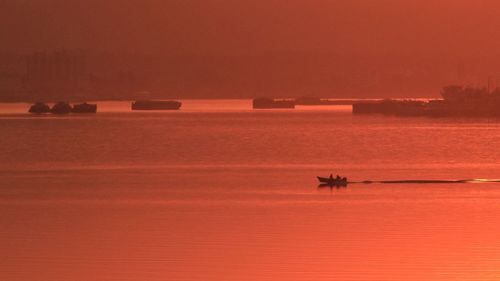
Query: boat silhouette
x=61 y=108
x=84 y=108
x=267 y=103
x=39 y=108
x=156 y=105
x=331 y=181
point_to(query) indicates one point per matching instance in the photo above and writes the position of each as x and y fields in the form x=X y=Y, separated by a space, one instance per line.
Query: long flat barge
x=457 y=101
x=156 y=105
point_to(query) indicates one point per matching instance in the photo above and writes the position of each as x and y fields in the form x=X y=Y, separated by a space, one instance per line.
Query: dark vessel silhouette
x=331 y=181
x=156 y=105
x=267 y=103
x=84 y=108
x=61 y=108
x=39 y=108
x=458 y=101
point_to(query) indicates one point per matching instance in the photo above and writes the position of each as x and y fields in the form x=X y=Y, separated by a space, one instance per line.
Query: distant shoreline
x=332 y=101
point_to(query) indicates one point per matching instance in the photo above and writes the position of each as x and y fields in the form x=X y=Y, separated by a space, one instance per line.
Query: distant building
x=61 y=73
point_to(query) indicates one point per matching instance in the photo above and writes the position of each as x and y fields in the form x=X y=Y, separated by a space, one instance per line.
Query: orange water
x=217 y=191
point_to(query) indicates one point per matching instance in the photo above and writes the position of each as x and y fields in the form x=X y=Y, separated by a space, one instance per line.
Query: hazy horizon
x=211 y=49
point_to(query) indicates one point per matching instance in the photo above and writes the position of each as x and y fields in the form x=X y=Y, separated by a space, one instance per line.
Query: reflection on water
x=232 y=195
x=325 y=185
x=430 y=181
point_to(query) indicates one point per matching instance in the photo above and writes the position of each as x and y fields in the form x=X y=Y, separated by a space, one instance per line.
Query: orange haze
x=247 y=47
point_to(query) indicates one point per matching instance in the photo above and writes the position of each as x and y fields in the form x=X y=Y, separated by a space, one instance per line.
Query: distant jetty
x=391 y=107
x=457 y=101
x=313 y=101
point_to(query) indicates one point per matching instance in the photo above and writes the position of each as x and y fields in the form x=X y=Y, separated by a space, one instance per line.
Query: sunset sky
x=226 y=26
x=388 y=47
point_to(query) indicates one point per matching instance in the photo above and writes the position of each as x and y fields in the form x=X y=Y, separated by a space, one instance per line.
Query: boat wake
x=429 y=181
x=342 y=182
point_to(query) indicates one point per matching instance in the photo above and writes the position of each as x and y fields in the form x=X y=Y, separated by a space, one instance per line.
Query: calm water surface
x=217 y=191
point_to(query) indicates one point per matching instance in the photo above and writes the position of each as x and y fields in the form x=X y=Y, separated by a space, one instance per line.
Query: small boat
x=156 y=105
x=84 y=108
x=61 y=108
x=39 y=108
x=331 y=181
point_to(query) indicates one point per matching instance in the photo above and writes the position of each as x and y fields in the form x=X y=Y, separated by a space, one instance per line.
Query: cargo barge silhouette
x=267 y=103
x=458 y=101
x=156 y=105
